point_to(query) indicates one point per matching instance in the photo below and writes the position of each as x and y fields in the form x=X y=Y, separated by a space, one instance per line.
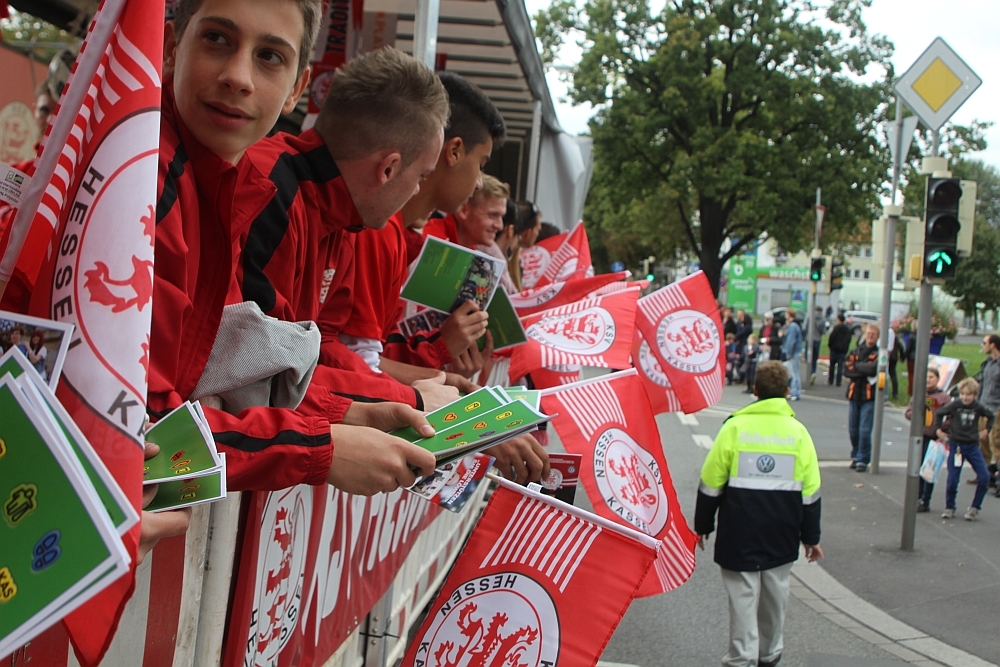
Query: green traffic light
x=937 y=260
x=650 y=277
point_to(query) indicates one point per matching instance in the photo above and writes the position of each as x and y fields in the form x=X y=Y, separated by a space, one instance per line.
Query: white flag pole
x=94 y=47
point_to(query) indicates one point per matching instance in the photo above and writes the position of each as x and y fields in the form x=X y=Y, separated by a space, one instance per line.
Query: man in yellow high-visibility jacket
x=762 y=477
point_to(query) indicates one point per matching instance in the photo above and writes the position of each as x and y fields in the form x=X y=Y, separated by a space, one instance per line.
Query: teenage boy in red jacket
x=230 y=68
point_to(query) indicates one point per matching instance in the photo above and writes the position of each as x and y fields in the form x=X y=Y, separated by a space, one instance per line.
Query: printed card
x=186 y=450
x=115 y=502
x=44 y=343
x=446 y=275
x=465 y=408
x=57 y=539
x=454 y=484
x=564 y=475
x=178 y=493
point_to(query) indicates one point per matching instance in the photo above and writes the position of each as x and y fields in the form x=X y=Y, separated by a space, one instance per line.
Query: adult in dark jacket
x=839 y=343
x=861 y=369
x=744 y=327
x=769 y=339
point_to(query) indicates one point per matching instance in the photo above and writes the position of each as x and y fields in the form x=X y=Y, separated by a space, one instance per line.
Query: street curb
x=820 y=591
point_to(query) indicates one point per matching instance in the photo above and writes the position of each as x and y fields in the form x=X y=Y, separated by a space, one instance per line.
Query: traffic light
x=647 y=268
x=816 y=269
x=941 y=227
x=836 y=273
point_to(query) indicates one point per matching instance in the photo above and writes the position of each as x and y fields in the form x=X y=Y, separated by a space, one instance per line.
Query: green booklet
x=532 y=397
x=58 y=541
x=482 y=419
x=504 y=324
x=446 y=275
x=178 y=493
x=115 y=502
x=187 y=448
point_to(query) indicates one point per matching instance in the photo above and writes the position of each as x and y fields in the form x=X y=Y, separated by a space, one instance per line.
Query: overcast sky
x=969 y=26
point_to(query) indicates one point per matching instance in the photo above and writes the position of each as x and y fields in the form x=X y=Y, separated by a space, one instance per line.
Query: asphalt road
x=688 y=627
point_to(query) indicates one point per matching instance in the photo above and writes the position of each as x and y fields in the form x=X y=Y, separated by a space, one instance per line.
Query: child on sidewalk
x=962 y=435
x=732 y=352
x=935 y=399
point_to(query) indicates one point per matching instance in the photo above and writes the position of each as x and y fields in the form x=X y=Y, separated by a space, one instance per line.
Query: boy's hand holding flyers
x=367 y=461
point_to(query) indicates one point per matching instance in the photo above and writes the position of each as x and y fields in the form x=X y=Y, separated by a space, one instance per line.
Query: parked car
x=857 y=319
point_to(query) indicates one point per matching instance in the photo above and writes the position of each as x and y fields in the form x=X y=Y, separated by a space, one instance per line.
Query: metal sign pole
x=810 y=317
x=888 y=272
x=915 y=452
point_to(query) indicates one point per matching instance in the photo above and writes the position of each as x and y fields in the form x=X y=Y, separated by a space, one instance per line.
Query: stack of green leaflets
x=188 y=468
x=62 y=510
x=482 y=419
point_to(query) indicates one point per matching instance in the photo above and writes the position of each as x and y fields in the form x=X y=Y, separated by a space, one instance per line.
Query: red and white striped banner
x=572 y=257
x=661 y=395
x=590 y=332
x=533 y=586
x=609 y=422
x=535 y=259
x=682 y=326
x=531 y=301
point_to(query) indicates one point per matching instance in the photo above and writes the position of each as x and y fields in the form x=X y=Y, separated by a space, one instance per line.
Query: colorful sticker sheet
x=60 y=545
x=187 y=447
x=479 y=420
x=454 y=484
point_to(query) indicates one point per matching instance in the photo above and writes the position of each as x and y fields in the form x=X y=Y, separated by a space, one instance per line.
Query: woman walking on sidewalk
x=963 y=437
x=935 y=399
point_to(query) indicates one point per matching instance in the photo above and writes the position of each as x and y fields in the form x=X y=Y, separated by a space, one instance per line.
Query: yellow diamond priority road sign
x=937 y=84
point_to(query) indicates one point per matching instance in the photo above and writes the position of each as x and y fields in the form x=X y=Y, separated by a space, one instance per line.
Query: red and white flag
x=590 y=332
x=572 y=259
x=339 y=41
x=661 y=395
x=608 y=420
x=682 y=326
x=611 y=288
x=556 y=376
x=100 y=201
x=537 y=299
x=533 y=587
x=535 y=259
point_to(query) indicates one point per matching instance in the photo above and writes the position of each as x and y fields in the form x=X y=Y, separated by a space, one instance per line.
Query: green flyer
x=122 y=514
x=465 y=408
x=57 y=539
x=447 y=275
x=185 y=448
x=504 y=324
x=178 y=493
x=486 y=429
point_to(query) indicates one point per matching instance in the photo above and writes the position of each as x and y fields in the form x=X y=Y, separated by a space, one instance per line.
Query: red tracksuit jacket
x=204 y=204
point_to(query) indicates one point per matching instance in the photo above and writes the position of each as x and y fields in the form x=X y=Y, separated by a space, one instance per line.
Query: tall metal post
x=887 y=280
x=915 y=453
x=810 y=317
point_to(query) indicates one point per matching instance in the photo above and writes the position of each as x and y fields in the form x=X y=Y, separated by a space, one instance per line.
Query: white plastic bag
x=933 y=460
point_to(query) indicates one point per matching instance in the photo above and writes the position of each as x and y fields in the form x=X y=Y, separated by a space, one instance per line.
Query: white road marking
x=703 y=441
x=690 y=420
x=605 y=663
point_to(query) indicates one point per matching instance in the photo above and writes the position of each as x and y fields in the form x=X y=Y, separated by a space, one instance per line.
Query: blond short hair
x=312 y=12
x=493 y=188
x=383 y=100
x=968 y=385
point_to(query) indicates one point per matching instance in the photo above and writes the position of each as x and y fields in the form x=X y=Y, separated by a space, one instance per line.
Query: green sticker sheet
x=532 y=397
x=178 y=493
x=465 y=408
x=185 y=451
x=57 y=540
x=504 y=324
x=484 y=430
x=447 y=275
x=115 y=502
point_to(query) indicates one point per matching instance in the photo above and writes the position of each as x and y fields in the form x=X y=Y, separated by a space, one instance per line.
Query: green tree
x=719 y=118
